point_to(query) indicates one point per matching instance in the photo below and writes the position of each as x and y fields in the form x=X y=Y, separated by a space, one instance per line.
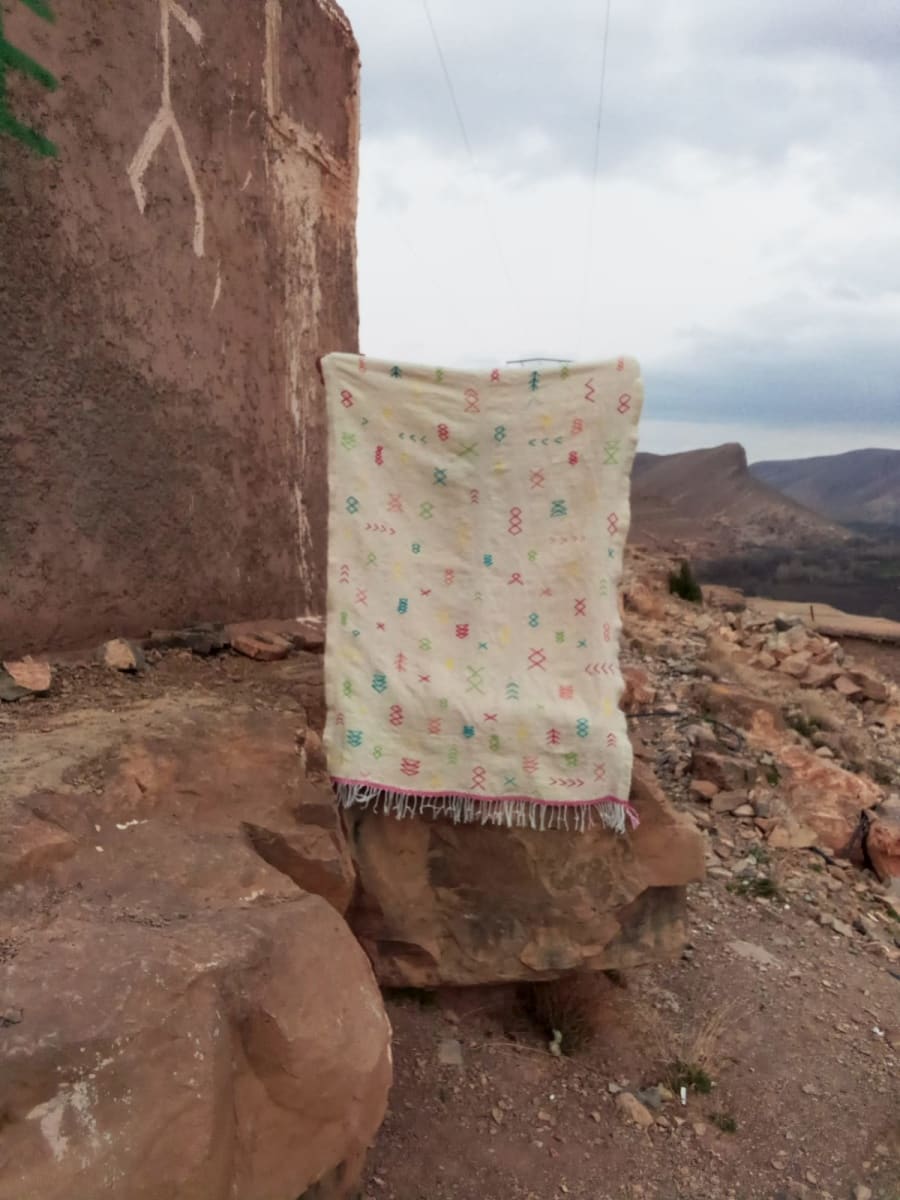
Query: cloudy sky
x=746 y=218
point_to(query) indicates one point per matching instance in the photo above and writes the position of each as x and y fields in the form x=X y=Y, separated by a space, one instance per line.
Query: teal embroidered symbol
x=534 y=620
x=440 y=476
x=610 y=553
x=348 y=688
x=510 y=784
x=482 y=645
x=403 y=605
x=535 y=382
x=379 y=682
x=583 y=727
x=417 y=547
x=582 y=643
x=468 y=731
x=500 y=434
x=488 y=560
x=512 y=691
x=352 y=505
x=355 y=737
x=426 y=510
x=559 y=509
x=348 y=441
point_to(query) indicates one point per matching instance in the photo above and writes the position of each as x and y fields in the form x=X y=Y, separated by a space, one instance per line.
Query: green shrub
x=683 y=583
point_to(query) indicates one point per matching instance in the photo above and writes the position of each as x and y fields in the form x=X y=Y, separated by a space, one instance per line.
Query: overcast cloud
x=746 y=223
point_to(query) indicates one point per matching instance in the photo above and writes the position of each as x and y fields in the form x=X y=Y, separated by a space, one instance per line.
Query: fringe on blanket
x=462 y=809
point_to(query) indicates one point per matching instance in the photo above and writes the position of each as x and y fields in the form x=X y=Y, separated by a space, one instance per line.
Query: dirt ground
x=797 y=1027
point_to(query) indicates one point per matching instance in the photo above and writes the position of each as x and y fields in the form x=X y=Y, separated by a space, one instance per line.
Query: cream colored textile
x=477 y=525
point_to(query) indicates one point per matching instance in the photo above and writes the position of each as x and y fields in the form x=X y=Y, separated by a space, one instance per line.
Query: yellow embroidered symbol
x=449 y=663
x=505 y=636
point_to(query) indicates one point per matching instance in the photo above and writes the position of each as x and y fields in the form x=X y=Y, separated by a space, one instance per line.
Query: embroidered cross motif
x=475 y=680
x=537 y=660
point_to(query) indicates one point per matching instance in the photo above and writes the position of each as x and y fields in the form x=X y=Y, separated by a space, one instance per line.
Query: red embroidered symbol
x=537 y=660
x=347 y=399
x=554 y=737
x=434 y=725
x=607 y=633
x=340 y=718
x=379 y=456
x=400 y=662
x=600 y=772
x=475 y=496
x=612 y=524
x=516 y=578
x=382 y=626
x=479 y=779
x=396 y=715
x=598 y=669
x=395 y=503
x=624 y=404
x=424 y=679
x=573 y=458
x=515 y=521
x=611 y=740
x=620 y=365
x=530 y=765
x=449 y=576
x=495 y=376
x=590 y=391
x=473 y=399
x=581 y=608
x=345 y=573
x=546 y=591
x=443 y=432
x=566 y=692
x=424 y=591
x=410 y=767
x=537 y=478
x=491 y=716
x=577 y=427
x=462 y=632
x=362 y=596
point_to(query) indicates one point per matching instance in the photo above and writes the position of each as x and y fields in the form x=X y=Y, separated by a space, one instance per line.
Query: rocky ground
x=781 y=1017
x=166 y=802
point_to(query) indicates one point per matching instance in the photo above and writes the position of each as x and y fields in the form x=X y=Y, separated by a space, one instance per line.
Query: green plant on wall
x=12 y=59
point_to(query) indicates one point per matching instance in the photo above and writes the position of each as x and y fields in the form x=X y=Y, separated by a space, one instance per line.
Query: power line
x=488 y=215
x=589 y=255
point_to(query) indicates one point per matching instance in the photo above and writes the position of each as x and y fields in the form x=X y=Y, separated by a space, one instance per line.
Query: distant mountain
x=710 y=499
x=860 y=487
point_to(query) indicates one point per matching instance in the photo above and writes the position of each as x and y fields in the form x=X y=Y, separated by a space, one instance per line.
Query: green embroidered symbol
x=378 y=752
x=560 y=636
x=532 y=555
x=425 y=644
x=348 y=441
x=475 y=680
x=612 y=449
x=417 y=547
x=12 y=59
x=559 y=509
x=440 y=476
x=348 y=688
x=603 y=587
x=534 y=620
x=453 y=755
x=344 y=618
x=494 y=742
x=352 y=505
x=439 y=375
x=379 y=682
x=564 y=373
x=371 y=559
x=535 y=382
x=571 y=759
x=500 y=434
x=443 y=704
x=396 y=373
x=426 y=511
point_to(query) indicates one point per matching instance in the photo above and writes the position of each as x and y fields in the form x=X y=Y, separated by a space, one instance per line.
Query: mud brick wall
x=177 y=246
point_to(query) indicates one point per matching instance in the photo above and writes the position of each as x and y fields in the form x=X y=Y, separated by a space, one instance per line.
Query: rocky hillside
x=860 y=487
x=709 y=500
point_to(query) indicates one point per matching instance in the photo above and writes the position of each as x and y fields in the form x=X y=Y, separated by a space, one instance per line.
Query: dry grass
x=570 y=1010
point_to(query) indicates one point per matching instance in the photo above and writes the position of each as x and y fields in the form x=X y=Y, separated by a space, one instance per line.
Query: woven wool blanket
x=476 y=532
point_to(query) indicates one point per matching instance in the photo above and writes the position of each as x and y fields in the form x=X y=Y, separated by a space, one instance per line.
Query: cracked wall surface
x=169 y=278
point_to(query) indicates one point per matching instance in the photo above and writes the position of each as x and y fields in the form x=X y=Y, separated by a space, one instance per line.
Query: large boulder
x=182 y=1019
x=883 y=841
x=440 y=904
